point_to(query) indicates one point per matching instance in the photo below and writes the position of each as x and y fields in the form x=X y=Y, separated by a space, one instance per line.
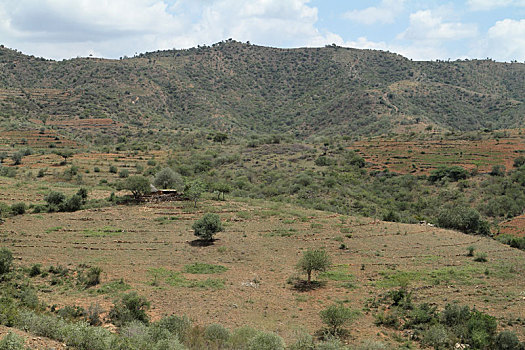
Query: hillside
x=240 y=88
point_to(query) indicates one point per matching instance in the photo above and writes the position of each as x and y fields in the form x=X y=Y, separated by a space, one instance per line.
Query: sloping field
x=150 y=248
x=422 y=156
x=515 y=227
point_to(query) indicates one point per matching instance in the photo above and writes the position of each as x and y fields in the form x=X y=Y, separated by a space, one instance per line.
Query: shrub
x=12 y=341
x=217 y=335
x=207 y=226
x=336 y=316
x=18 y=208
x=176 y=325
x=452 y=173
x=266 y=341
x=96 y=169
x=123 y=173
x=437 y=337
x=481 y=257
x=129 y=308
x=519 y=161
x=74 y=203
x=55 y=198
x=507 y=340
x=167 y=178
x=36 y=270
x=240 y=338
x=470 y=250
x=464 y=219
x=6 y=260
x=113 y=169
x=498 y=170
x=314 y=260
x=91 y=277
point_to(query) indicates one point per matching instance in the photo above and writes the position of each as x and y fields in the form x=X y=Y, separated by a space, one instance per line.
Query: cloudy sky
x=418 y=29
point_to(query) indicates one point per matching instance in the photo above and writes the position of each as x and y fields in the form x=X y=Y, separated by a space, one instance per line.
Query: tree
x=138 y=185
x=519 y=161
x=336 y=316
x=207 y=226
x=221 y=188
x=167 y=178
x=17 y=158
x=55 y=198
x=195 y=190
x=65 y=153
x=314 y=260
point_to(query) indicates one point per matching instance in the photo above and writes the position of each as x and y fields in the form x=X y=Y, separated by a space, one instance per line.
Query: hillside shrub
x=6 y=261
x=508 y=340
x=451 y=173
x=12 y=341
x=463 y=219
x=266 y=341
x=55 y=198
x=336 y=316
x=18 y=208
x=129 y=308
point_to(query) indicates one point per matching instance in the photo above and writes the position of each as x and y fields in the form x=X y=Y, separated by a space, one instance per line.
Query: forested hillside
x=238 y=88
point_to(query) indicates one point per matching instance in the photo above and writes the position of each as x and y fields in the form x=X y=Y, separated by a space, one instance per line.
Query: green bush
x=124 y=173
x=507 y=340
x=113 y=169
x=217 y=335
x=207 y=226
x=314 y=260
x=12 y=341
x=437 y=337
x=336 y=316
x=129 y=308
x=167 y=178
x=463 y=219
x=6 y=261
x=35 y=270
x=452 y=173
x=266 y=341
x=74 y=203
x=91 y=277
x=18 y=208
x=55 y=198
x=176 y=325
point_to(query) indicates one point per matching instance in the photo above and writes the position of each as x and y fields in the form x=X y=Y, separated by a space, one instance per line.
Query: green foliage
x=131 y=307
x=18 y=208
x=6 y=261
x=336 y=316
x=124 y=173
x=508 y=340
x=167 y=178
x=464 y=219
x=217 y=335
x=314 y=260
x=55 y=198
x=138 y=185
x=91 y=277
x=266 y=341
x=113 y=169
x=519 y=161
x=12 y=341
x=201 y=268
x=207 y=226
x=452 y=173
x=195 y=190
x=35 y=270
x=513 y=241
x=74 y=203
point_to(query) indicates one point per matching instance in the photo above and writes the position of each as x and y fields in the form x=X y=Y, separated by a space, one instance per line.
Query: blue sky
x=420 y=30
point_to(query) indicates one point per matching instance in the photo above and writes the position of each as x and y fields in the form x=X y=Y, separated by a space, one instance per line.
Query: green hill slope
x=240 y=88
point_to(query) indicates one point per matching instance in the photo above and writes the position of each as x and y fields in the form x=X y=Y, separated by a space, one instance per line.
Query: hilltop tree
x=314 y=260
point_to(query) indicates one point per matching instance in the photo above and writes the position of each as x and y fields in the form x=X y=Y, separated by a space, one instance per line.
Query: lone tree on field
x=138 y=185
x=207 y=226
x=314 y=260
x=220 y=188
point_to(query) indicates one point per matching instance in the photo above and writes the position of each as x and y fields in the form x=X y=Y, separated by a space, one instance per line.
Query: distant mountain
x=240 y=88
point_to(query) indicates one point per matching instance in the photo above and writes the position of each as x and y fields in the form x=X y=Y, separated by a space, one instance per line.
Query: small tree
x=138 y=185
x=194 y=191
x=221 y=188
x=336 y=316
x=314 y=260
x=220 y=137
x=64 y=153
x=207 y=226
x=17 y=158
x=167 y=178
x=55 y=198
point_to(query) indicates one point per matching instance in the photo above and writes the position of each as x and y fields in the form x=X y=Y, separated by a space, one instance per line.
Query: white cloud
x=65 y=28
x=485 y=5
x=425 y=26
x=505 y=41
x=385 y=12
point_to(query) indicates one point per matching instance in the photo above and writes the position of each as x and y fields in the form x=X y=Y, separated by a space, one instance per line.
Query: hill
x=242 y=88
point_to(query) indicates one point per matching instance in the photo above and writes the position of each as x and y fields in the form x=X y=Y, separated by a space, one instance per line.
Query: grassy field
x=242 y=278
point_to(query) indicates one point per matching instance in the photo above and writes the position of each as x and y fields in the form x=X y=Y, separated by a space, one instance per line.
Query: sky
x=417 y=29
